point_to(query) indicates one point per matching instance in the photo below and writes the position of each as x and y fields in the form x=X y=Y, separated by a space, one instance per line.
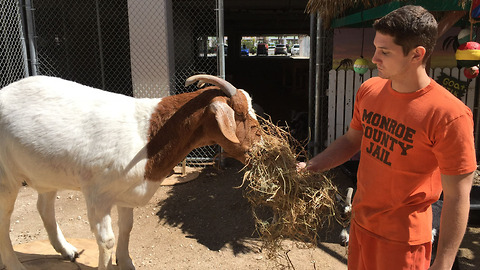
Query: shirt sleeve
x=454 y=146
x=356 y=122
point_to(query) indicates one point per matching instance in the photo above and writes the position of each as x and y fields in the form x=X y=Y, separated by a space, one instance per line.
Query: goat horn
x=349 y=196
x=226 y=87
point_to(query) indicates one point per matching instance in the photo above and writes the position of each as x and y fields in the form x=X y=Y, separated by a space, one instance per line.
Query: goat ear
x=225 y=117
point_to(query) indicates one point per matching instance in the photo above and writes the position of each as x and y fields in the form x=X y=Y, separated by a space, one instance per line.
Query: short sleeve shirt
x=409 y=140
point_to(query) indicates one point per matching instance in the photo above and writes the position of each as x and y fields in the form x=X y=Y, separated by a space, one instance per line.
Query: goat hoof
x=71 y=258
x=74 y=257
x=70 y=254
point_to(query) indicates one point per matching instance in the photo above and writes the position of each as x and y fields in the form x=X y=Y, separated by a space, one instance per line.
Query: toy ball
x=471 y=72
x=360 y=66
x=468 y=54
x=464 y=36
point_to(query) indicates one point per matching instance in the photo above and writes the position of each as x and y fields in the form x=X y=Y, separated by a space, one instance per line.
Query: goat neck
x=178 y=125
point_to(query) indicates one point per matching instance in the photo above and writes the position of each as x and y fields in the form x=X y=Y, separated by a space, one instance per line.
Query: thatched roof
x=331 y=9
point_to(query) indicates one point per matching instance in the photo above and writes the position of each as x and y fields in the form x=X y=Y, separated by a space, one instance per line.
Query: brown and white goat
x=56 y=134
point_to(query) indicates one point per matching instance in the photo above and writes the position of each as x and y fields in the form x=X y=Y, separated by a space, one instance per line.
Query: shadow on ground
x=42 y=262
x=212 y=210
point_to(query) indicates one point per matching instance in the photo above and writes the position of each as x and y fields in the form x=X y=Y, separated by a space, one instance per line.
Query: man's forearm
x=452 y=229
x=453 y=223
x=337 y=153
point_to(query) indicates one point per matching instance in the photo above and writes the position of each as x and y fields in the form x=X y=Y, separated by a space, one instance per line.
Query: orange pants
x=367 y=251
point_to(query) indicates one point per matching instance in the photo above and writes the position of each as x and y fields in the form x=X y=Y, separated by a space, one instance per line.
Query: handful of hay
x=286 y=203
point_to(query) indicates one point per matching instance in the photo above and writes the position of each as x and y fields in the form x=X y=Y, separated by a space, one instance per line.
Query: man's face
x=389 y=57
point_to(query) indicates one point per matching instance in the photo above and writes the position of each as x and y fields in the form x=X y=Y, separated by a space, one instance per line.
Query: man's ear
x=418 y=54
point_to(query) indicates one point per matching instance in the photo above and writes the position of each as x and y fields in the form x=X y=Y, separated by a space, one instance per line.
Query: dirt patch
x=201 y=224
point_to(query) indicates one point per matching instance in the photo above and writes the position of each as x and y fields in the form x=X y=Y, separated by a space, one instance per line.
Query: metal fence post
x=220 y=40
x=318 y=83
x=23 y=39
x=220 y=59
x=100 y=44
x=312 y=125
x=31 y=37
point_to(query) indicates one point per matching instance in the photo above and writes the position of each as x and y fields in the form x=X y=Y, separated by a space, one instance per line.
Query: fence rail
x=344 y=84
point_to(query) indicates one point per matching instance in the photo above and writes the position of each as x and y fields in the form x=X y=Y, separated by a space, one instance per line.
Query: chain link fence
x=137 y=48
x=193 y=23
x=13 y=59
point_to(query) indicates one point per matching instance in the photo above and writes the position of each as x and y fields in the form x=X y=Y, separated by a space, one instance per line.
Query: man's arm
x=340 y=151
x=453 y=222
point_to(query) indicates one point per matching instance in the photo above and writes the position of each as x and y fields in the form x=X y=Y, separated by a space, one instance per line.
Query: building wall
x=151 y=47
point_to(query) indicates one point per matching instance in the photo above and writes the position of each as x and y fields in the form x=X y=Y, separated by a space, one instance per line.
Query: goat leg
x=101 y=225
x=8 y=195
x=125 y=225
x=46 y=208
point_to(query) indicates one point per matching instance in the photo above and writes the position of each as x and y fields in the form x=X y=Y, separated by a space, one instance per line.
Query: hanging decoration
x=360 y=65
x=468 y=54
x=475 y=9
x=471 y=72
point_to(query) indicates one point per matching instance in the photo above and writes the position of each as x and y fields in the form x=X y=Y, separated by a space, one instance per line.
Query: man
x=415 y=139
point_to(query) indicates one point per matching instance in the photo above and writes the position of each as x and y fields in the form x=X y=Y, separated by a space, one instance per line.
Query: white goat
x=56 y=134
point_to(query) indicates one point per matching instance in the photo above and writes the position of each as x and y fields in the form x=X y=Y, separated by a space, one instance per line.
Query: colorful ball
x=468 y=54
x=360 y=66
x=471 y=72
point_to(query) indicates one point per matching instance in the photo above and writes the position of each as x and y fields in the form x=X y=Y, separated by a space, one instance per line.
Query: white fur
x=251 y=110
x=57 y=135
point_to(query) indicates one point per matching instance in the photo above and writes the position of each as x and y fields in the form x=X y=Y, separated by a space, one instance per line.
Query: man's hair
x=410 y=26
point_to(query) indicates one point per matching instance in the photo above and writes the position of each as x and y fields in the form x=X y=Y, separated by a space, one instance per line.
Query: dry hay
x=286 y=203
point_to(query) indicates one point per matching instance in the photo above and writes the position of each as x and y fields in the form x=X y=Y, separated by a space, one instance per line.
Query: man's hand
x=301 y=166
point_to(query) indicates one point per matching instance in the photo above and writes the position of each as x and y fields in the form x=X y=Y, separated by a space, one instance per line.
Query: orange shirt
x=408 y=140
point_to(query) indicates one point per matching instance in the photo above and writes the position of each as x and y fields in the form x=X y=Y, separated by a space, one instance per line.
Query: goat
x=56 y=134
